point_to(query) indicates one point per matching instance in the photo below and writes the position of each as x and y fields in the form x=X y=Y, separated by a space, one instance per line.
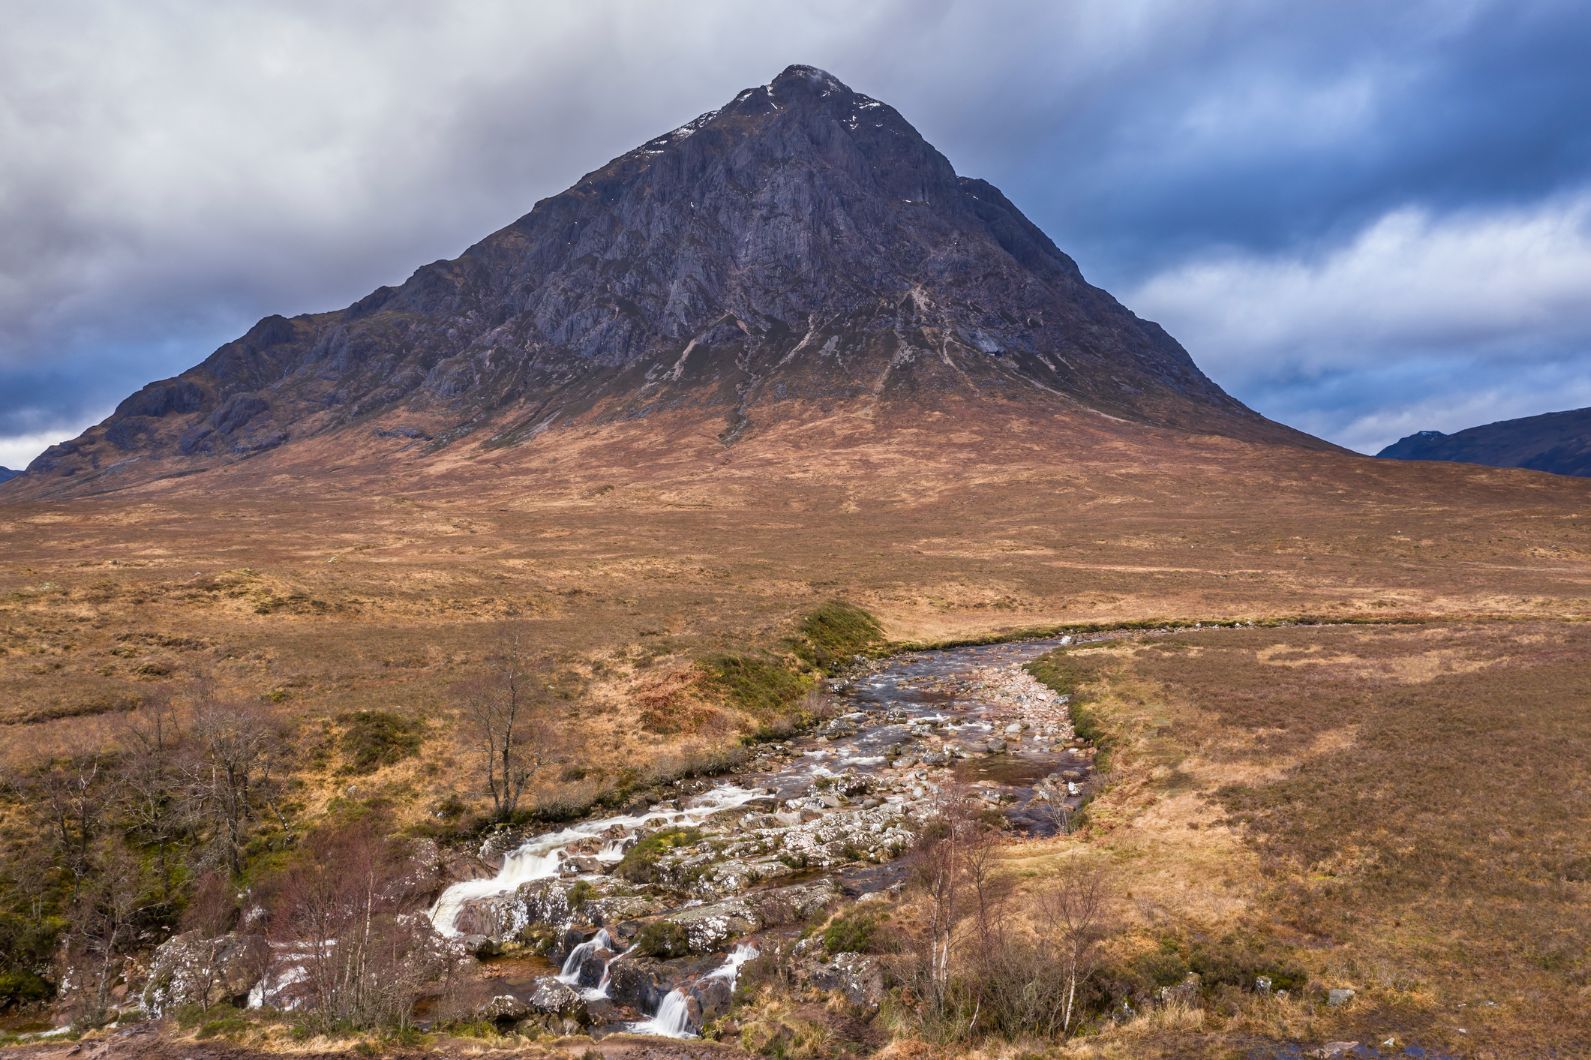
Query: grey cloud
x=176 y=170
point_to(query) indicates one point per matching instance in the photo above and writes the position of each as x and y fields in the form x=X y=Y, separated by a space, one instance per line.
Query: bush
x=662 y=938
x=834 y=634
x=376 y=738
x=22 y=988
x=850 y=932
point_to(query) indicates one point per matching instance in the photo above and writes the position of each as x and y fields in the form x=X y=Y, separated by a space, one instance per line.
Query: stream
x=655 y=944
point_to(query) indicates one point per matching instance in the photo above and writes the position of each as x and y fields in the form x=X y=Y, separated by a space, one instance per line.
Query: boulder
x=710 y=997
x=638 y=982
x=189 y=969
x=554 y=998
x=503 y=1010
x=1337 y=998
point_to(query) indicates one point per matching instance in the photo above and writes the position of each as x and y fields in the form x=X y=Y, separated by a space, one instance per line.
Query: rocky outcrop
x=710 y=928
x=857 y=977
x=189 y=969
x=547 y=1005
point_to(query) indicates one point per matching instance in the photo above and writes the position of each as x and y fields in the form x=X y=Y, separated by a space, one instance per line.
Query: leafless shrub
x=344 y=925
x=103 y=919
x=228 y=770
x=980 y=960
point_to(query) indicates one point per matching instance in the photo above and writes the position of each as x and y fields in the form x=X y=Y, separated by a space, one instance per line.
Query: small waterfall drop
x=570 y=973
x=601 y=990
x=672 y=1019
x=730 y=969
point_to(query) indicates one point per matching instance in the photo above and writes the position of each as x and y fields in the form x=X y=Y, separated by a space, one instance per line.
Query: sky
x=1362 y=219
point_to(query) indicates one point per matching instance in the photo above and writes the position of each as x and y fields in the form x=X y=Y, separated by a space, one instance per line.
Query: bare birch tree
x=1077 y=906
x=507 y=721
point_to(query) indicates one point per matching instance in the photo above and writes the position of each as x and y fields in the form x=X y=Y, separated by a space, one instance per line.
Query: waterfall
x=533 y=861
x=607 y=973
x=673 y=1015
x=570 y=973
x=672 y=1019
x=730 y=969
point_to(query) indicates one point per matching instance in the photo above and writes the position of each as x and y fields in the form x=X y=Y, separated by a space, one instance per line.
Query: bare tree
x=68 y=793
x=101 y=928
x=953 y=839
x=345 y=918
x=507 y=718
x=150 y=781
x=976 y=969
x=1077 y=906
x=229 y=771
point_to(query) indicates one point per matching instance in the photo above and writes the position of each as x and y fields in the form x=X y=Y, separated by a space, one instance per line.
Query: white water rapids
x=542 y=856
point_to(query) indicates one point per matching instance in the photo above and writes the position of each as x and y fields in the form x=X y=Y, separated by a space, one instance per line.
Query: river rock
x=709 y=928
x=712 y=996
x=638 y=982
x=554 y=998
x=189 y=969
x=503 y=1010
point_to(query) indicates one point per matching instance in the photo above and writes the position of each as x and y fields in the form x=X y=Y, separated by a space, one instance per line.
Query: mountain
x=1559 y=442
x=799 y=251
x=6 y=474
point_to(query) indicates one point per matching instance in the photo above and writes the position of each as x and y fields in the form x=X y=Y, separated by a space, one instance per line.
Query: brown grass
x=1414 y=828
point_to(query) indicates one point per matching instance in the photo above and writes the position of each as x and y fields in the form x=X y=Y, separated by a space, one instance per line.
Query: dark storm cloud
x=1360 y=217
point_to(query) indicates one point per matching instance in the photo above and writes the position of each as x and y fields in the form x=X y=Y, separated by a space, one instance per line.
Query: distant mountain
x=6 y=474
x=799 y=250
x=1556 y=441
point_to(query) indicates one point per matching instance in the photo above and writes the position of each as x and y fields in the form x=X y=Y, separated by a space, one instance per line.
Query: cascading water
x=673 y=1013
x=730 y=969
x=910 y=723
x=601 y=990
x=542 y=856
x=672 y=1019
x=570 y=973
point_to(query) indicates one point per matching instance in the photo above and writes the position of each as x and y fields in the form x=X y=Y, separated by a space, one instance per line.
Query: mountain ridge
x=1557 y=442
x=801 y=245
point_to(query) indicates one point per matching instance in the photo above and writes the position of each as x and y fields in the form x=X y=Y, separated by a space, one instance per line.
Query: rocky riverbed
x=649 y=916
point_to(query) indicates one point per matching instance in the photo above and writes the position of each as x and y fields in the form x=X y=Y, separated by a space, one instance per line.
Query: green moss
x=851 y=932
x=1064 y=677
x=640 y=861
x=763 y=685
x=22 y=987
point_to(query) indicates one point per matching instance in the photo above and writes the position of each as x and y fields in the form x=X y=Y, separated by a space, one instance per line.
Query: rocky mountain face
x=6 y=474
x=1559 y=442
x=800 y=247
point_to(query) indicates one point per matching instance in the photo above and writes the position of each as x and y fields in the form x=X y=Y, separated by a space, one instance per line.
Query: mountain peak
x=799 y=74
x=800 y=251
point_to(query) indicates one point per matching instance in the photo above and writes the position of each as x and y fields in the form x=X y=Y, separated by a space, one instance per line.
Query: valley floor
x=1396 y=809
